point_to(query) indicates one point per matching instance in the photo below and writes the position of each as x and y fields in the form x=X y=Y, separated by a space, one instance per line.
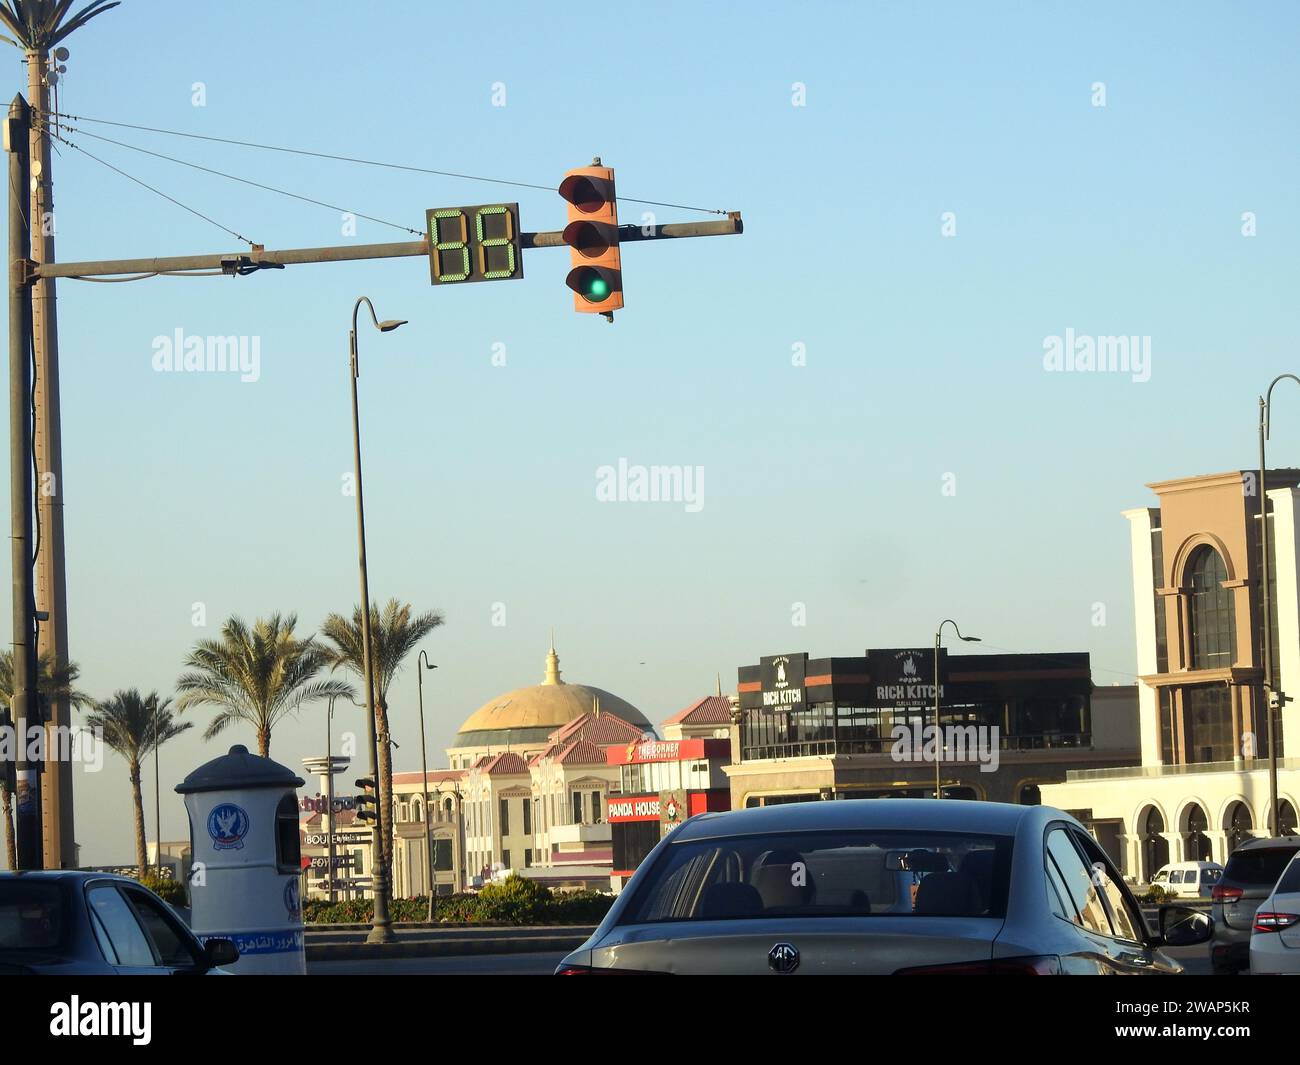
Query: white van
x=1188 y=880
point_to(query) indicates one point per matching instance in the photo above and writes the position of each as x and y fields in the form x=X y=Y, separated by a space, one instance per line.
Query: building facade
x=1203 y=786
x=860 y=727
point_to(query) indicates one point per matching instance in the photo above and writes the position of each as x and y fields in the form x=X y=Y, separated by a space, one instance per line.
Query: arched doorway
x=1030 y=795
x=1237 y=823
x=1196 y=844
x=1155 y=848
x=1286 y=819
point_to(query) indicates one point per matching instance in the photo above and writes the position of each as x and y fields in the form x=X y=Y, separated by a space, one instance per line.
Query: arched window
x=1212 y=638
x=1238 y=824
x=1155 y=848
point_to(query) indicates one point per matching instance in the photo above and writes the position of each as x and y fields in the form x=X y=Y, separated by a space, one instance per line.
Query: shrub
x=170 y=891
x=515 y=901
x=1155 y=895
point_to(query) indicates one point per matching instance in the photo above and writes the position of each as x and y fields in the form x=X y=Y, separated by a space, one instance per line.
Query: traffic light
x=596 y=274
x=367 y=800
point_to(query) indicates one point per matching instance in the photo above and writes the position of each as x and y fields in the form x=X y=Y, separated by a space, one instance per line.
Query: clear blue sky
x=823 y=483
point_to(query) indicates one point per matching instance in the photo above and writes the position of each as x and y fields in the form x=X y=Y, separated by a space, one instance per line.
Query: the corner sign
x=781 y=678
x=479 y=243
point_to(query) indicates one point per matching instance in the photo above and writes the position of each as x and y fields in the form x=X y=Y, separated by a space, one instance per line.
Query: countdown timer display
x=479 y=243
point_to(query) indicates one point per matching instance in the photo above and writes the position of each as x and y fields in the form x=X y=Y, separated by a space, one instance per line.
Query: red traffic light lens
x=589 y=239
x=587 y=194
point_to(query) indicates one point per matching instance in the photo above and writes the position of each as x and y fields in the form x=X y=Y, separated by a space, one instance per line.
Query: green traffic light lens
x=598 y=289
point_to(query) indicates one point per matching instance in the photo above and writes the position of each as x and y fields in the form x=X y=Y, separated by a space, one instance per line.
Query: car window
x=1289 y=882
x=1259 y=866
x=31 y=915
x=169 y=941
x=856 y=873
x=1058 y=898
x=120 y=925
x=1089 y=911
x=1211 y=876
x=1124 y=917
x=1176 y=876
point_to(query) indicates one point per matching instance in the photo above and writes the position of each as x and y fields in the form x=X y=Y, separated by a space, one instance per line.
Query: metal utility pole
x=938 y=723
x=1266 y=688
x=51 y=577
x=381 y=930
x=421 y=664
x=27 y=812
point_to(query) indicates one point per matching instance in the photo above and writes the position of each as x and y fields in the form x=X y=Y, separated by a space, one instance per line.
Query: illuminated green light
x=599 y=288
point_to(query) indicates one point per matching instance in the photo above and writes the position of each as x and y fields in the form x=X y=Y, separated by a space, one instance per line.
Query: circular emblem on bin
x=227 y=825
x=783 y=958
x=292 y=902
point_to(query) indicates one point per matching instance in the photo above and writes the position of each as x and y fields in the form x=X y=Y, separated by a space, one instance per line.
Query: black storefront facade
x=861 y=727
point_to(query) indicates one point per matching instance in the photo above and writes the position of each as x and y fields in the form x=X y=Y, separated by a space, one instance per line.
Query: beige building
x=1202 y=786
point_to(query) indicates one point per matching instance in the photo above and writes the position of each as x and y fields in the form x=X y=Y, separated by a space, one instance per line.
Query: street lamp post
x=157 y=802
x=938 y=724
x=381 y=927
x=328 y=819
x=1265 y=408
x=421 y=664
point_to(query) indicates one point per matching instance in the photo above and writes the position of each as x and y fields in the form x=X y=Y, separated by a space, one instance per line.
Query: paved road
x=479 y=965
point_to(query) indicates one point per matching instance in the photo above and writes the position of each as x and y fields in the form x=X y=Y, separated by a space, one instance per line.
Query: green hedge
x=515 y=901
x=172 y=891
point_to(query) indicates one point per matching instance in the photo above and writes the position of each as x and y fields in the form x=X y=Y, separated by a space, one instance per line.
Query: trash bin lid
x=237 y=770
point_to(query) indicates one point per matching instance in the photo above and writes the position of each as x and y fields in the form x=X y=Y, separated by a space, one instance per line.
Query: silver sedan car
x=899 y=886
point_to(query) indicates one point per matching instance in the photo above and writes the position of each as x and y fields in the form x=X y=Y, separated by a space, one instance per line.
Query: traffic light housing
x=367 y=800
x=596 y=264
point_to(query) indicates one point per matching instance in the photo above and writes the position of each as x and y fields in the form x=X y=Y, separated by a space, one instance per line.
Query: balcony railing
x=1038 y=741
x=1183 y=769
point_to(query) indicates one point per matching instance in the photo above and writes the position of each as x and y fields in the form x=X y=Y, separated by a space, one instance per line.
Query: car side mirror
x=221 y=952
x=1184 y=926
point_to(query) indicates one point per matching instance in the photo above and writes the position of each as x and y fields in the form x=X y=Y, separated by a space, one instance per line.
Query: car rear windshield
x=1257 y=867
x=31 y=915
x=860 y=873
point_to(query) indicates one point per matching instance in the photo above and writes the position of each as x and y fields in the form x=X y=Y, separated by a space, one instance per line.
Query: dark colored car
x=75 y=923
x=1248 y=879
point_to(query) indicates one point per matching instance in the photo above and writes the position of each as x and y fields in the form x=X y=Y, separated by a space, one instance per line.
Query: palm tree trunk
x=264 y=742
x=11 y=853
x=141 y=849
x=385 y=744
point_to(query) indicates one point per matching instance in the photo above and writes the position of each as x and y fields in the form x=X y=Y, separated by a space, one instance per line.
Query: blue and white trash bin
x=244 y=885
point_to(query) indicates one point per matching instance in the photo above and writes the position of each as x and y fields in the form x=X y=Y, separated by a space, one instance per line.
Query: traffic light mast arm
x=258 y=258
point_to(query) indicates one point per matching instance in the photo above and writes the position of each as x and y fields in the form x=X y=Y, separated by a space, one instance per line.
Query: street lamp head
x=389 y=324
x=971 y=639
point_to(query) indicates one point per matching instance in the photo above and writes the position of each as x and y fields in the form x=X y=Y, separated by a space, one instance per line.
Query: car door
x=133 y=933
x=1130 y=951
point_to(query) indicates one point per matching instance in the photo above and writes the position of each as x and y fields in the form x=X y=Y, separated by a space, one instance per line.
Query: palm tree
x=134 y=726
x=258 y=676
x=38 y=24
x=394 y=634
x=52 y=683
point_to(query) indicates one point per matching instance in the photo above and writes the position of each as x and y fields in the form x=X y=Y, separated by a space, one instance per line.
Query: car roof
x=72 y=875
x=951 y=815
x=1269 y=841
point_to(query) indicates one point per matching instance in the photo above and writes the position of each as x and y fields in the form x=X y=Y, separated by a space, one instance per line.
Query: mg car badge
x=228 y=825
x=783 y=958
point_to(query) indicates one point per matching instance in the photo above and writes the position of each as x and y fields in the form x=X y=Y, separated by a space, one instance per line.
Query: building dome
x=530 y=715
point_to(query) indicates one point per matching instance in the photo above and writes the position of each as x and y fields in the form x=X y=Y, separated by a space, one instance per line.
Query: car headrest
x=730 y=900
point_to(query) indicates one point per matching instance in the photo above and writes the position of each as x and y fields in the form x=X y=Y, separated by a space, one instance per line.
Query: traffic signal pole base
x=381 y=933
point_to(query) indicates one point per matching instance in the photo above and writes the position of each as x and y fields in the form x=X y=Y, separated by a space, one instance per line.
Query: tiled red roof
x=343 y=817
x=583 y=752
x=505 y=764
x=602 y=729
x=711 y=710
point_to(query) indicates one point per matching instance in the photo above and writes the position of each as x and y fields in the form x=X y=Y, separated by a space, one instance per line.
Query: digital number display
x=479 y=243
